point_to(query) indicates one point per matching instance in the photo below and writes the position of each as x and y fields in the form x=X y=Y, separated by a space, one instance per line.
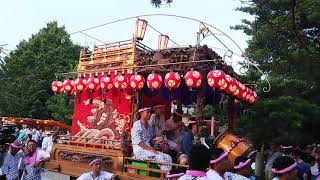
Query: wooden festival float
x=114 y=80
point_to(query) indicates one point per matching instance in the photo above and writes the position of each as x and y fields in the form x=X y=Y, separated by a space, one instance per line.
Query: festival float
x=114 y=80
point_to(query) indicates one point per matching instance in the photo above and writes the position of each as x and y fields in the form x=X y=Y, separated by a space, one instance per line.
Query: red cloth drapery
x=102 y=114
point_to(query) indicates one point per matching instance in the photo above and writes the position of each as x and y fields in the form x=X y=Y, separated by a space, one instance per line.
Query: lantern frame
x=163 y=41
x=141 y=26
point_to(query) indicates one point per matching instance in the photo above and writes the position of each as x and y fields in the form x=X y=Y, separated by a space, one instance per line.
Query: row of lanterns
x=193 y=79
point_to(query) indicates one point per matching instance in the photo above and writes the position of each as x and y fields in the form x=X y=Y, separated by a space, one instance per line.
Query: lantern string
x=93 y=37
x=162 y=34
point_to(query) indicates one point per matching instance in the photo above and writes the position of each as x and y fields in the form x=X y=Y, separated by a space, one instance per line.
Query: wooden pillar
x=200 y=103
x=231 y=113
x=136 y=105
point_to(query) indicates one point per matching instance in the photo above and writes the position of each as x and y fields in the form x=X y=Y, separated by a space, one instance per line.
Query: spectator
x=198 y=162
x=33 y=161
x=303 y=167
x=243 y=170
x=314 y=168
x=274 y=154
x=41 y=136
x=219 y=164
x=12 y=158
x=47 y=142
x=284 y=168
x=96 y=173
x=188 y=138
x=179 y=171
x=35 y=135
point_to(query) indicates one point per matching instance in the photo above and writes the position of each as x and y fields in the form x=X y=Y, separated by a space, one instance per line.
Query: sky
x=21 y=19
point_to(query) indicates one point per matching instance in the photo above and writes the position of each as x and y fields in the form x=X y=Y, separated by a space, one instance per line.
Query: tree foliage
x=158 y=3
x=27 y=72
x=285 y=44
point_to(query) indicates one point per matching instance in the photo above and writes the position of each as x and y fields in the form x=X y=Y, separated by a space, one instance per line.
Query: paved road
x=54 y=176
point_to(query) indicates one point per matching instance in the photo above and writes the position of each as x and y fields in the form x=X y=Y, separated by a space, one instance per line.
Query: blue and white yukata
x=102 y=176
x=234 y=176
x=31 y=172
x=140 y=133
x=10 y=165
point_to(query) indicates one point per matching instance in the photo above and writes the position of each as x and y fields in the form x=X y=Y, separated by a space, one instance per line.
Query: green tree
x=284 y=43
x=27 y=72
x=158 y=3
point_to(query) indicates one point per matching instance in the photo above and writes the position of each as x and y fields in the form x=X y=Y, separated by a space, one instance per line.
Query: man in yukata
x=142 y=134
x=12 y=158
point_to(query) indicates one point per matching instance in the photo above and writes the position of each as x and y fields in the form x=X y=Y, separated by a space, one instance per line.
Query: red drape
x=104 y=114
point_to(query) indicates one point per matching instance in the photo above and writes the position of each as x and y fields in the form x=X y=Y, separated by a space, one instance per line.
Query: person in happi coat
x=158 y=119
x=175 y=130
x=188 y=139
x=285 y=168
x=11 y=162
x=33 y=161
x=198 y=162
x=96 y=173
x=243 y=170
x=164 y=130
x=219 y=164
x=142 y=134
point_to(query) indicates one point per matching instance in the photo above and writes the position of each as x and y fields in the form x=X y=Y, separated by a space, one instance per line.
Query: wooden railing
x=101 y=144
x=149 y=170
x=116 y=54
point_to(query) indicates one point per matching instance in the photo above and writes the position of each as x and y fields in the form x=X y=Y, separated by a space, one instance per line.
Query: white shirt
x=103 y=176
x=213 y=175
x=35 y=135
x=315 y=169
x=47 y=143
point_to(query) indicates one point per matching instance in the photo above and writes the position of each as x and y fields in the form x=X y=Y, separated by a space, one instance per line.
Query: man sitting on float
x=175 y=130
x=142 y=134
x=168 y=132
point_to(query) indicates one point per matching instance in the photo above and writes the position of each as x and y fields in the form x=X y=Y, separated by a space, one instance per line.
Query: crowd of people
x=173 y=141
x=23 y=159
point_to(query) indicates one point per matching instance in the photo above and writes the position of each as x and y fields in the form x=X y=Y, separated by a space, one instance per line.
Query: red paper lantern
x=242 y=89
x=80 y=84
x=228 y=79
x=93 y=83
x=236 y=93
x=121 y=82
x=57 y=87
x=154 y=81
x=172 y=80
x=193 y=79
x=249 y=95
x=106 y=83
x=232 y=86
x=137 y=81
x=68 y=86
x=216 y=79
x=253 y=98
